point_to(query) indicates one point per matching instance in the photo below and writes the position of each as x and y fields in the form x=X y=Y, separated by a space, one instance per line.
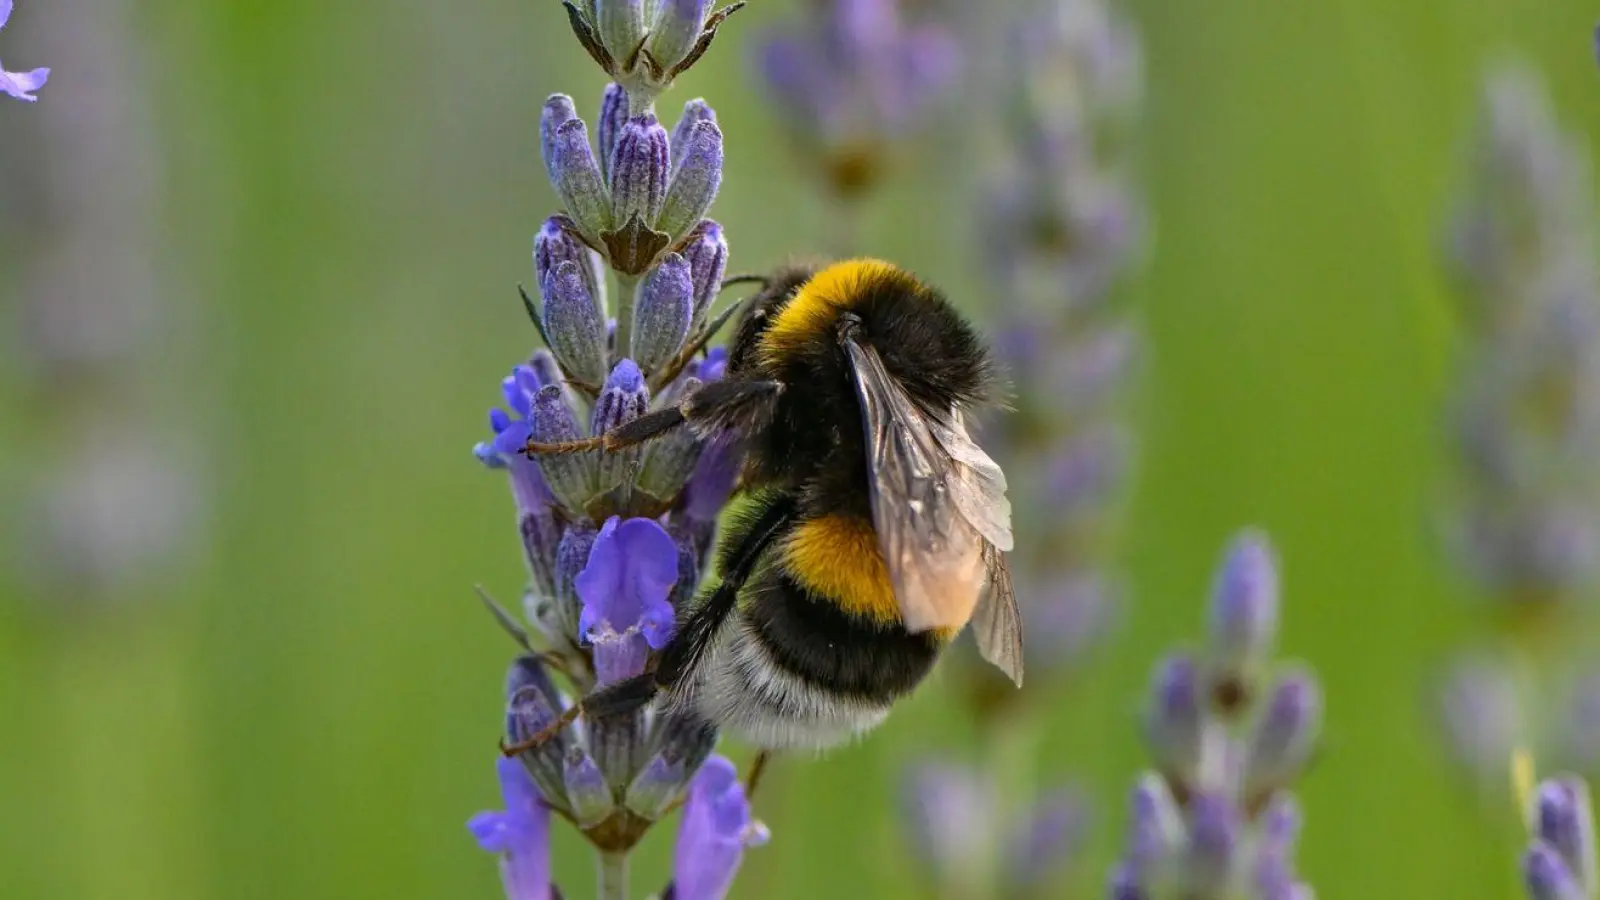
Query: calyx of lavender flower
x=645 y=60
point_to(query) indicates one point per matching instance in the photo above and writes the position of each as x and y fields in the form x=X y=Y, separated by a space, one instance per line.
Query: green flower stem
x=613 y=876
x=627 y=288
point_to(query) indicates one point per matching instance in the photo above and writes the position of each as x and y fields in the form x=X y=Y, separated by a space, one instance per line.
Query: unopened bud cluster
x=1228 y=734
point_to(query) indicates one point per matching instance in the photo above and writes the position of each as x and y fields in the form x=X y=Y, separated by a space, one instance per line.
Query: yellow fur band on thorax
x=819 y=302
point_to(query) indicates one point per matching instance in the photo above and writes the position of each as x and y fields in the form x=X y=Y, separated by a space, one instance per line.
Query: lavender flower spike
x=632 y=568
x=520 y=834
x=20 y=85
x=716 y=829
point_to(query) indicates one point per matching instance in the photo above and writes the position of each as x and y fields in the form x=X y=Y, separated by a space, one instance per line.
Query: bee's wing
x=996 y=622
x=939 y=507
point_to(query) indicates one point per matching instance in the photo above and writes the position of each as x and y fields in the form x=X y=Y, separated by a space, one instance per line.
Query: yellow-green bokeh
x=353 y=188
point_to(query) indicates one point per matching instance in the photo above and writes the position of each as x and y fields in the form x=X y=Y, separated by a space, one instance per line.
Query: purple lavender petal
x=520 y=834
x=21 y=84
x=716 y=829
x=632 y=568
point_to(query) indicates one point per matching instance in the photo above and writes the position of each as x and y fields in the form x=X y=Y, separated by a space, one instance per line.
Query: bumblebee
x=869 y=527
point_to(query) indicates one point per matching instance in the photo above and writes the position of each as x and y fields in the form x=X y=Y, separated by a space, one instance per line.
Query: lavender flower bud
x=1155 y=828
x=707 y=253
x=639 y=170
x=608 y=128
x=1125 y=885
x=1564 y=819
x=555 y=244
x=624 y=399
x=694 y=181
x=621 y=26
x=671 y=458
x=684 y=742
x=714 y=476
x=677 y=29
x=575 y=175
x=586 y=788
x=556 y=612
x=558 y=110
x=1174 y=723
x=1243 y=615
x=1547 y=877
x=569 y=475
x=661 y=318
x=520 y=835
x=694 y=112
x=1213 y=854
x=651 y=793
x=632 y=568
x=572 y=323
x=529 y=709
x=541 y=538
x=1285 y=734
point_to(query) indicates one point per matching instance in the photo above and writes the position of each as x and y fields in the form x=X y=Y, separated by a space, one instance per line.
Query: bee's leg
x=758 y=767
x=726 y=401
x=647 y=426
x=616 y=699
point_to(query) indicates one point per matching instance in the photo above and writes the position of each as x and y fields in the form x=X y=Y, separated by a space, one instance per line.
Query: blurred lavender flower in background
x=1559 y=863
x=972 y=845
x=1528 y=413
x=1228 y=734
x=851 y=80
x=615 y=543
x=1061 y=227
x=1524 y=523
x=20 y=85
x=92 y=309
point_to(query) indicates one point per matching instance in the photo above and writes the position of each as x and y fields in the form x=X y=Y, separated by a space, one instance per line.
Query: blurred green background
x=348 y=193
